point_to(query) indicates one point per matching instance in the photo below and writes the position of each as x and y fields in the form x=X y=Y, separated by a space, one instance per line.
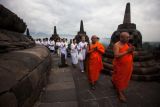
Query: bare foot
x=122 y=97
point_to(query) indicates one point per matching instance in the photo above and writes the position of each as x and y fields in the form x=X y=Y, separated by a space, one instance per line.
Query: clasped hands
x=130 y=49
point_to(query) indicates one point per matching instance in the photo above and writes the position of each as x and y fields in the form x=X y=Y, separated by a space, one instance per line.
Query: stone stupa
x=145 y=67
x=28 y=35
x=55 y=36
x=81 y=33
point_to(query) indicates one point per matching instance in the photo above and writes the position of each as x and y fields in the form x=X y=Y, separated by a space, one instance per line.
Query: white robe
x=82 y=47
x=74 y=53
x=58 y=44
x=38 y=42
x=45 y=43
x=63 y=49
x=52 y=45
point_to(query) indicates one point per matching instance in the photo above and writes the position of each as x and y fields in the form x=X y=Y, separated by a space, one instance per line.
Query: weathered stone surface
x=24 y=73
x=24 y=67
x=11 y=21
x=59 y=96
x=8 y=100
x=11 y=32
x=7 y=80
x=22 y=90
x=60 y=104
x=10 y=41
x=60 y=90
x=139 y=94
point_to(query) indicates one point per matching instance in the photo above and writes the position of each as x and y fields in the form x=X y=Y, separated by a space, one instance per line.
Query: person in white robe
x=82 y=47
x=74 y=53
x=66 y=45
x=58 y=45
x=45 y=42
x=52 y=45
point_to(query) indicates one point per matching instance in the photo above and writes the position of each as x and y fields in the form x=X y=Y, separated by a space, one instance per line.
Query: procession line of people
x=89 y=58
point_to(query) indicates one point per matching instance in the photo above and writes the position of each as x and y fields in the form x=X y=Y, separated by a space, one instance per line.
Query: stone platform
x=68 y=87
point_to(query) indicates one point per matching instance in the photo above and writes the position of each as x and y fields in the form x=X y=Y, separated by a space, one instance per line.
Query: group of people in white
x=78 y=52
x=54 y=46
x=61 y=48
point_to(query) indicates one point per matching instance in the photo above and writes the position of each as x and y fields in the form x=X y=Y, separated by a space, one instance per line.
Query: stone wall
x=23 y=74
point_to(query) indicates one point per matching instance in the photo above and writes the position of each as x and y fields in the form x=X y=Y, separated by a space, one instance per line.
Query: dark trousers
x=63 y=60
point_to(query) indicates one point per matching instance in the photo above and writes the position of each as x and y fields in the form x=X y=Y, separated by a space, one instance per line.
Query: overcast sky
x=101 y=17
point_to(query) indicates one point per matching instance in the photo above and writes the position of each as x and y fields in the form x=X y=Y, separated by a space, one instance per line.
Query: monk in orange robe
x=95 y=65
x=122 y=65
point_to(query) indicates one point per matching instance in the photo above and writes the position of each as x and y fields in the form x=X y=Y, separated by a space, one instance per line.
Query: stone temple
x=80 y=33
x=145 y=67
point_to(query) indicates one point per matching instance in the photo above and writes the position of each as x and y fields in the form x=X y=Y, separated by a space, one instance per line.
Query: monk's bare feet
x=122 y=97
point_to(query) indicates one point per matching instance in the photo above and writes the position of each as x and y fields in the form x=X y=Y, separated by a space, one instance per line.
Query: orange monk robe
x=95 y=64
x=122 y=69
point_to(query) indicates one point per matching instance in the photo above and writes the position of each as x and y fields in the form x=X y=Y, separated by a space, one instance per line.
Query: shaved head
x=124 y=37
x=124 y=34
x=94 y=38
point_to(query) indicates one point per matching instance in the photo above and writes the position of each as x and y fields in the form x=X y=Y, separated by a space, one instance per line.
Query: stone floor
x=68 y=87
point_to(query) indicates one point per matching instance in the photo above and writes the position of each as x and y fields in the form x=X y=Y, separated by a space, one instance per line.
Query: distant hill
x=45 y=35
x=104 y=40
x=39 y=35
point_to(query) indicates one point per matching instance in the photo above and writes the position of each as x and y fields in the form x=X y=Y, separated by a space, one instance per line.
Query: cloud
x=100 y=17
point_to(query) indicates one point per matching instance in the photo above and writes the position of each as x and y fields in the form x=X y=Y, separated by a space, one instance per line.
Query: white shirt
x=58 y=44
x=63 y=48
x=73 y=48
x=51 y=45
x=82 y=47
x=45 y=43
x=38 y=42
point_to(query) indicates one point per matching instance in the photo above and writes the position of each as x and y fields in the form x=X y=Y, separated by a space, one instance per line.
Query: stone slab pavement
x=68 y=87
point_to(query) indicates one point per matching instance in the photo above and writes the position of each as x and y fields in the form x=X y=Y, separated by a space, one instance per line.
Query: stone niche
x=24 y=66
